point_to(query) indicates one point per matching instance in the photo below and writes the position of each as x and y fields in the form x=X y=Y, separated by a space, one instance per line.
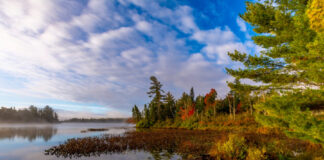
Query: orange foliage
x=210 y=98
x=239 y=107
x=131 y=120
x=263 y=130
x=188 y=112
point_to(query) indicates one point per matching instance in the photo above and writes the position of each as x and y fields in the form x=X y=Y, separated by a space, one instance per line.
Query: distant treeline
x=118 y=120
x=31 y=114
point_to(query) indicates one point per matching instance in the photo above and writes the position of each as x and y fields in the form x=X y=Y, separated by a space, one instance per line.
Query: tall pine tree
x=291 y=67
x=156 y=93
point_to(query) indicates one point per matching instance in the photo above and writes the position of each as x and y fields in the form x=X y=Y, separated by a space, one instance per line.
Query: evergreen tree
x=170 y=105
x=153 y=113
x=32 y=114
x=242 y=94
x=156 y=93
x=291 y=66
x=33 y=110
x=136 y=113
x=192 y=94
x=48 y=114
x=55 y=117
x=133 y=113
x=200 y=105
x=144 y=112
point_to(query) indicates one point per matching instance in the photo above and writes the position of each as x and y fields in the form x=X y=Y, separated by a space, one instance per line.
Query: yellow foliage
x=256 y=154
x=319 y=158
x=315 y=13
x=234 y=148
x=263 y=130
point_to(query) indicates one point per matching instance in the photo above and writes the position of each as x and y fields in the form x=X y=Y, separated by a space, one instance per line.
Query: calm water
x=28 y=141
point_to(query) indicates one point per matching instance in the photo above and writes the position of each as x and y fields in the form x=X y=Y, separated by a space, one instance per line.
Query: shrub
x=233 y=148
x=255 y=153
x=143 y=124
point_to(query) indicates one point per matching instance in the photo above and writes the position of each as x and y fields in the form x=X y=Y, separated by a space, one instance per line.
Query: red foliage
x=210 y=98
x=188 y=112
x=191 y=112
x=239 y=106
x=131 y=120
x=183 y=113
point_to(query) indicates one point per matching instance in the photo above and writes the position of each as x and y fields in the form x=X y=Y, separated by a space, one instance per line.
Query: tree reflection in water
x=30 y=133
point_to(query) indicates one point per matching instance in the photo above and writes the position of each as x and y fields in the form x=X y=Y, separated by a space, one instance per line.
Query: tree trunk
x=234 y=107
x=230 y=106
x=251 y=107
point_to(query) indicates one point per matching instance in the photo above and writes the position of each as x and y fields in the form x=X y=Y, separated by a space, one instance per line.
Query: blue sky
x=93 y=58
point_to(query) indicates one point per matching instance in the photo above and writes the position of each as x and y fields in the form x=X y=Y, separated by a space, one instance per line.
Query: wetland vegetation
x=279 y=116
x=244 y=143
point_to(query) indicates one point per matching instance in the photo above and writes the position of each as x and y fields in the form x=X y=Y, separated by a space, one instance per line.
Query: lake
x=29 y=141
x=111 y=141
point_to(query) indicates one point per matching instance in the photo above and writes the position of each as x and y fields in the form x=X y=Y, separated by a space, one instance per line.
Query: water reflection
x=30 y=133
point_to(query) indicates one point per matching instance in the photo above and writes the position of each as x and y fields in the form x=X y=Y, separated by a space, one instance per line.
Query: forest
x=31 y=114
x=287 y=93
x=279 y=114
x=190 y=111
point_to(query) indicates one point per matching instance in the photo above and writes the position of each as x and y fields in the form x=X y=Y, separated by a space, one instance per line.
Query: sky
x=93 y=58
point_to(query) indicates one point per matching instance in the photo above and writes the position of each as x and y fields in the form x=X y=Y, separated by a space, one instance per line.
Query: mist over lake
x=29 y=141
x=162 y=79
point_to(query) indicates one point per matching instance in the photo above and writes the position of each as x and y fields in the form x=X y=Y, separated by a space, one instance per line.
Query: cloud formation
x=104 y=51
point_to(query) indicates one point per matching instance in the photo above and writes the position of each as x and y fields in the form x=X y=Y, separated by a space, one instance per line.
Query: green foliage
x=200 y=104
x=190 y=123
x=192 y=94
x=143 y=124
x=233 y=148
x=292 y=112
x=290 y=67
x=170 y=110
x=186 y=112
x=137 y=116
x=156 y=93
x=32 y=114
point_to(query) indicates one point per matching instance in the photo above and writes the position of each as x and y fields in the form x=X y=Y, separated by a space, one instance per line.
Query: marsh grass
x=261 y=143
x=95 y=130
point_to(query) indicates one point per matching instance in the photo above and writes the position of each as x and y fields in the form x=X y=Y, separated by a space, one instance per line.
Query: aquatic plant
x=182 y=142
x=95 y=130
x=194 y=144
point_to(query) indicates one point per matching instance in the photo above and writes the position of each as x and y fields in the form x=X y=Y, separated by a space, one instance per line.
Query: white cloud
x=144 y=26
x=138 y=55
x=218 y=42
x=241 y=24
x=96 y=52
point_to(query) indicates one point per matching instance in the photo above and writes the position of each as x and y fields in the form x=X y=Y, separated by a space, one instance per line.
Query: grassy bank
x=244 y=138
x=219 y=122
x=194 y=144
x=218 y=138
